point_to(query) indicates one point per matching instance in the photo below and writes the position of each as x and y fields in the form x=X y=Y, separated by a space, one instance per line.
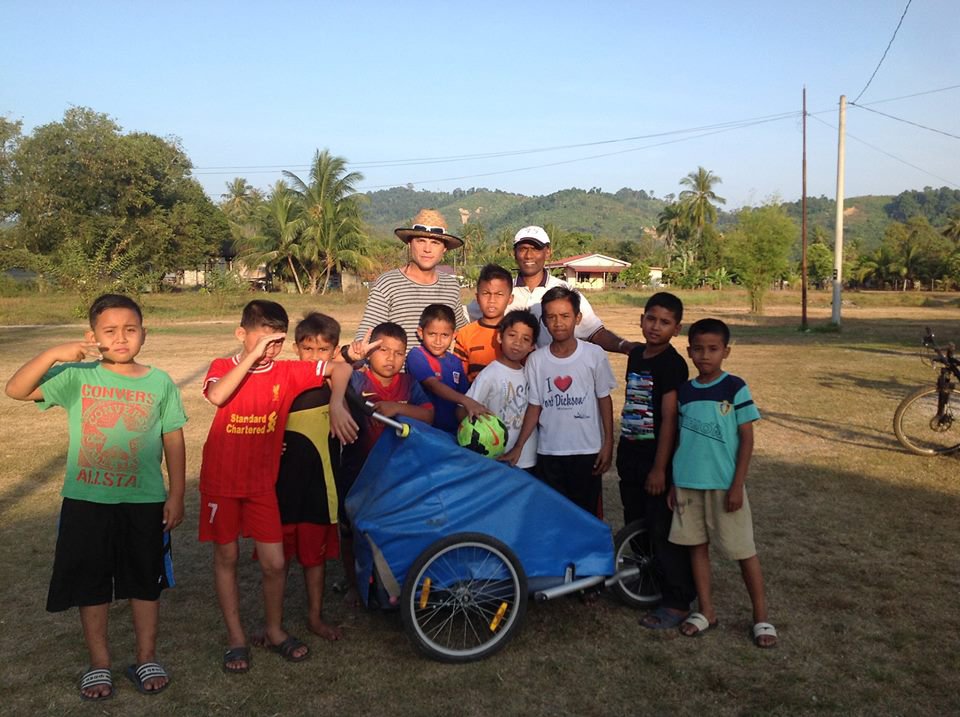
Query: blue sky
x=250 y=88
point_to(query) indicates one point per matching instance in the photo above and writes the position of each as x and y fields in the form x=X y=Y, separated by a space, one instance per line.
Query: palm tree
x=333 y=228
x=952 y=229
x=277 y=241
x=238 y=201
x=697 y=201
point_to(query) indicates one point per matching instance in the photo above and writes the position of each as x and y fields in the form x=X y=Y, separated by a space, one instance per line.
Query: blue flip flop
x=666 y=619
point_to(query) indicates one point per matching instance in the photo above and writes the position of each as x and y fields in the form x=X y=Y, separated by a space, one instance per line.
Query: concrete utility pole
x=803 y=222
x=838 y=235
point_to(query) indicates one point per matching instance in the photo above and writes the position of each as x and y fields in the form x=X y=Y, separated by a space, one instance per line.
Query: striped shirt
x=394 y=297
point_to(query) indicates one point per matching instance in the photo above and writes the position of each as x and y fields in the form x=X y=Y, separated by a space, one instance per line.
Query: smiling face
x=426 y=252
x=119 y=334
x=560 y=319
x=707 y=351
x=530 y=259
x=315 y=348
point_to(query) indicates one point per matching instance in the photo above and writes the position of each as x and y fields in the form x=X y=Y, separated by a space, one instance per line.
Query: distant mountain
x=624 y=215
x=606 y=216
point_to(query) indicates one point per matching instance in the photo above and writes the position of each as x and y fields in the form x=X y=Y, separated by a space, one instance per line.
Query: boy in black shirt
x=648 y=436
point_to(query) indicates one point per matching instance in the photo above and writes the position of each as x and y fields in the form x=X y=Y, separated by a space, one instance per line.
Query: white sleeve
x=590 y=323
x=604 y=382
x=531 y=374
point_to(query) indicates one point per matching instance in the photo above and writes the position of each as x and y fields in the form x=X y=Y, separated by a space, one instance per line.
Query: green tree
x=819 y=264
x=759 y=249
x=107 y=193
x=334 y=235
x=697 y=202
x=239 y=200
x=276 y=244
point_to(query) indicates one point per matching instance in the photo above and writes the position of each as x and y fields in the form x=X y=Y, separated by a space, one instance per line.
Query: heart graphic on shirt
x=563 y=382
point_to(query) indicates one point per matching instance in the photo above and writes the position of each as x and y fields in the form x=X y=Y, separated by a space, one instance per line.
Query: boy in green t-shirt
x=113 y=538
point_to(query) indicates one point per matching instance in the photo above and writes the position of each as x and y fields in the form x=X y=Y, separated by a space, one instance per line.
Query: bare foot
x=327 y=632
x=352 y=598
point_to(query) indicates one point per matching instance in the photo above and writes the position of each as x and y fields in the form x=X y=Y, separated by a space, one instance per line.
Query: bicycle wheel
x=639 y=586
x=463 y=598
x=919 y=426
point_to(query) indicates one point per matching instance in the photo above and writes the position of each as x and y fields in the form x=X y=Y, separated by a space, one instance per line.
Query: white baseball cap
x=535 y=235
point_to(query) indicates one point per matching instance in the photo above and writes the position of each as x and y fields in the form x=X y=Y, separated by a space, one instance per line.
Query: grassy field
x=858 y=539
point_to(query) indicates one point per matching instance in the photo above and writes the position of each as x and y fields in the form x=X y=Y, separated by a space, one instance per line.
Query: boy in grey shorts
x=709 y=500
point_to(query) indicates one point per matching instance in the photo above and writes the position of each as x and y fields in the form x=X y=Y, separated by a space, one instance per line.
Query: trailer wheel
x=463 y=598
x=638 y=587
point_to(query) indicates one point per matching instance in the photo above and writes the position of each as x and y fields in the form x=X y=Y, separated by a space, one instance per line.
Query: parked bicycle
x=924 y=421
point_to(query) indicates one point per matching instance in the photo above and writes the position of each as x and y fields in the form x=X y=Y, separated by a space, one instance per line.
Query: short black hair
x=437 y=312
x=709 y=326
x=259 y=313
x=112 y=301
x=317 y=324
x=389 y=330
x=559 y=293
x=494 y=271
x=520 y=316
x=668 y=301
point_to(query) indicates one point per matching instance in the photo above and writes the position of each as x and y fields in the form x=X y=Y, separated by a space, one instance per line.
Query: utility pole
x=803 y=223
x=838 y=228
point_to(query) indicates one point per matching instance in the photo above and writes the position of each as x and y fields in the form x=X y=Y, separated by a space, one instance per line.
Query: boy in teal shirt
x=709 y=500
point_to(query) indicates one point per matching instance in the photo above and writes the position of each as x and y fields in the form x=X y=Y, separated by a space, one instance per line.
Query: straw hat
x=429 y=223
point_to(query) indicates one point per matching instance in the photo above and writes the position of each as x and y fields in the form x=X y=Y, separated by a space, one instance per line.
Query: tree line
x=88 y=207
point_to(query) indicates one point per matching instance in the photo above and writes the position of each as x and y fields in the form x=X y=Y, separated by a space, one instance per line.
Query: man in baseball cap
x=531 y=251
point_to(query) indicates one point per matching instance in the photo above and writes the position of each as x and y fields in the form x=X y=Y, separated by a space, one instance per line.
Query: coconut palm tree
x=952 y=229
x=279 y=223
x=333 y=231
x=697 y=202
x=238 y=201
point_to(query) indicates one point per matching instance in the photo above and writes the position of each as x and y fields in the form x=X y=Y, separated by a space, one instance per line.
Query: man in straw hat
x=401 y=295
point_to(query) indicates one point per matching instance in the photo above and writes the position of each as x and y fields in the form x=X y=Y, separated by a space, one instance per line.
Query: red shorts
x=311 y=544
x=223 y=520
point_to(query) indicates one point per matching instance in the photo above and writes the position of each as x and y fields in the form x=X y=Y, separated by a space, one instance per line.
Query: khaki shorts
x=700 y=516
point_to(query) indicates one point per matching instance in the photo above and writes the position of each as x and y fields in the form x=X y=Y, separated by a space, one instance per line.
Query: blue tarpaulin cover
x=413 y=491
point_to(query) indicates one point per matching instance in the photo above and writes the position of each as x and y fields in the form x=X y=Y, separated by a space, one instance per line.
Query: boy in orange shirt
x=477 y=344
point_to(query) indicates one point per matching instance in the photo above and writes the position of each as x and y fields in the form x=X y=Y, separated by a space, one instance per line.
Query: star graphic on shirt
x=118 y=436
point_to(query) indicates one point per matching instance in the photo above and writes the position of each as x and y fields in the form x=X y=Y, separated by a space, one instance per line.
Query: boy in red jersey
x=241 y=459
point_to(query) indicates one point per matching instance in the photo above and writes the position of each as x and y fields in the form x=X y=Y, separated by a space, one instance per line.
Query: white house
x=589 y=271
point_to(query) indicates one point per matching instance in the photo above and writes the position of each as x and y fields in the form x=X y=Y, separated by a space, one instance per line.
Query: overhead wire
x=589 y=157
x=905 y=121
x=890 y=155
x=889 y=44
x=420 y=161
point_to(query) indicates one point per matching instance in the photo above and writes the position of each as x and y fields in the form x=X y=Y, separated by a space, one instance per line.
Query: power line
x=584 y=159
x=420 y=161
x=906 y=97
x=905 y=121
x=884 y=52
x=888 y=154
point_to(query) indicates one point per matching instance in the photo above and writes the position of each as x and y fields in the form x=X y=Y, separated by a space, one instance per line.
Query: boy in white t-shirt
x=502 y=386
x=569 y=398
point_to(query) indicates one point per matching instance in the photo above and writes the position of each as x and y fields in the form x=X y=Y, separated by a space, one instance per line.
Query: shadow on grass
x=852 y=582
